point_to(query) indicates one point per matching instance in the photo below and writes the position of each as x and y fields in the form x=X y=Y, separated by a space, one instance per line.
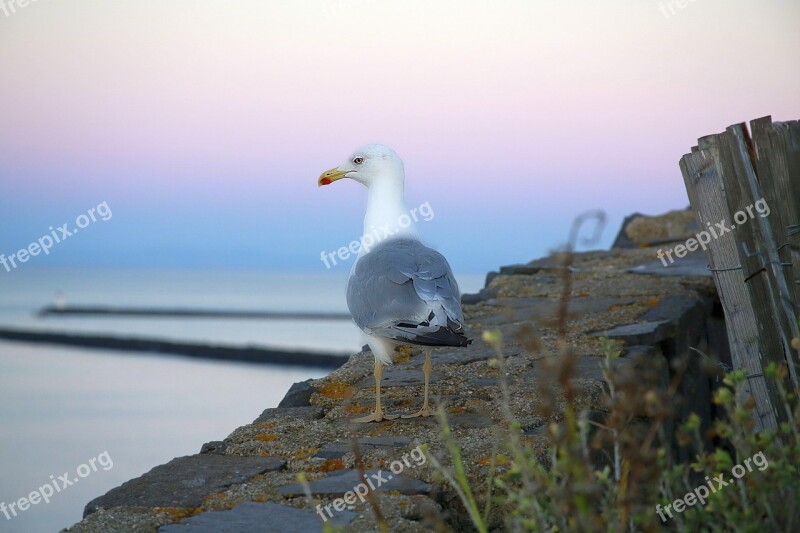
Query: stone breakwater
x=249 y=480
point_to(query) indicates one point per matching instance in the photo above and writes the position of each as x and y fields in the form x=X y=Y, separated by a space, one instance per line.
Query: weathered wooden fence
x=745 y=192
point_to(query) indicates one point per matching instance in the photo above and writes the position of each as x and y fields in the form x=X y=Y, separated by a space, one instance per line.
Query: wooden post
x=772 y=168
x=704 y=186
x=777 y=159
x=769 y=289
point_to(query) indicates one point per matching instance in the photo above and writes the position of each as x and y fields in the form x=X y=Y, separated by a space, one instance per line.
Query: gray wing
x=406 y=291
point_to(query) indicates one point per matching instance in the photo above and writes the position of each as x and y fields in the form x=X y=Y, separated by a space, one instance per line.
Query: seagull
x=400 y=292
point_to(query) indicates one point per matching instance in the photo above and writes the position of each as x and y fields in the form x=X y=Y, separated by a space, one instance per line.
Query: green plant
x=566 y=489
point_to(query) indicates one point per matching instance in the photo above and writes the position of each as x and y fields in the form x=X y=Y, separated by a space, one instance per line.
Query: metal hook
x=723 y=269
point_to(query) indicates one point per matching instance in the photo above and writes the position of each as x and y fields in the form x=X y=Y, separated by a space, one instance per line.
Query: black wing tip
x=441 y=337
x=421 y=334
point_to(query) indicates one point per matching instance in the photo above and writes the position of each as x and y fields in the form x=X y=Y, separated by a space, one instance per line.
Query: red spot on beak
x=325 y=181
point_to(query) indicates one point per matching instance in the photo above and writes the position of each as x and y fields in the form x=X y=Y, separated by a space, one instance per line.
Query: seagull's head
x=369 y=164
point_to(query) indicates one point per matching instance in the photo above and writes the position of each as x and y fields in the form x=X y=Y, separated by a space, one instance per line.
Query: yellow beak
x=329 y=176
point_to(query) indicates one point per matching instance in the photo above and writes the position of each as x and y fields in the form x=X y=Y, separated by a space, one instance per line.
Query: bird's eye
x=358 y=160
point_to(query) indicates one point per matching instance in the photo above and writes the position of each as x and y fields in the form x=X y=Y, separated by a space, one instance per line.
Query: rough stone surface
x=483 y=382
x=250 y=517
x=465 y=357
x=679 y=310
x=661 y=322
x=340 y=448
x=585 y=368
x=692 y=264
x=402 y=377
x=184 y=481
x=471 y=299
x=640 y=230
x=299 y=395
x=214 y=447
x=344 y=481
x=305 y=413
x=537 y=309
x=645 y=351
x=622 y=240
x=640 y=333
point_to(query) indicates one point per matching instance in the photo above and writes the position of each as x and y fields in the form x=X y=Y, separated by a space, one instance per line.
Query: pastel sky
x=205 y=124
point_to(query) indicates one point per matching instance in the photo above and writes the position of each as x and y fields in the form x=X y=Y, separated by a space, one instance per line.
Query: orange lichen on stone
x=498 y=460
x=652 y=302
x=402 y=357
x=303 y=453
x=356 y=408
x=378 y=430
x=217 y=500
x=177 y=513
x=337 y=390
x=328 y=466
x=267 y=437
x=404 y=349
